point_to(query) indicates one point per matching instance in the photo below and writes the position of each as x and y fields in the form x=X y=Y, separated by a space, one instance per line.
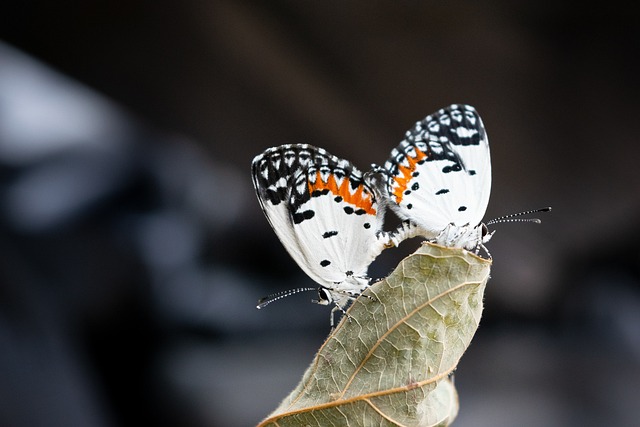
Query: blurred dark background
x=133 y=250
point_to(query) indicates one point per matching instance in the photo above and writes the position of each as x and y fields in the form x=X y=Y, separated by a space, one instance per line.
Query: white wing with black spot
x=324 y=214
x=439 y=177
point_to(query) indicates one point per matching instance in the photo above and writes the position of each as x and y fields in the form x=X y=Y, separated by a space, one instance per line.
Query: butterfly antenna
x=263 y=302
x=514 y=217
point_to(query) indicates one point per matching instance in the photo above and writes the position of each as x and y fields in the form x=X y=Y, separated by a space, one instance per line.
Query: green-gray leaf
x=389 y=363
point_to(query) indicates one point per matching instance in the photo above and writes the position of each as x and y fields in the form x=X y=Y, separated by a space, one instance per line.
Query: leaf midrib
x=381 y=339
x=363 y=397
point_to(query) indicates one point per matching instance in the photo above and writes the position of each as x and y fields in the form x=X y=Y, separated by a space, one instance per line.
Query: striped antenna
x=263 y=302
x=513 y=217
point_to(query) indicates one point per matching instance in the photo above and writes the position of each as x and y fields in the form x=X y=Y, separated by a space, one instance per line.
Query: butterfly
x=439 y=179
x=326 y=215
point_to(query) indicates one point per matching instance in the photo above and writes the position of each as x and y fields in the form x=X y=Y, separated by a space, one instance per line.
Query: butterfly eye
x=324 y=297
x=485 y=230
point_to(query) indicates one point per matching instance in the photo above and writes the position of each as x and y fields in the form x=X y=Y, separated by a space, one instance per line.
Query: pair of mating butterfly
x=329 y=215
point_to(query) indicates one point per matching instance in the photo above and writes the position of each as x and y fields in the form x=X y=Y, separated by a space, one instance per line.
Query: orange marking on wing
x=358 y=198
x=405 y=174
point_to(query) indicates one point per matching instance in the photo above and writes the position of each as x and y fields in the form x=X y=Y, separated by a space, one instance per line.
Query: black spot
x=318 y=193
x=407 y=192
x=443 y=191
x=409 y=206
x=338 y=199
x=325 y=262
x=301 y=216
x=329 y=234
x=360 y=212
x=415 y=186
x=348 y=210
x=416 y=173
x=462 y=208
x=367 y=225
x=472 y=172
x=349 y=273
x=452 y=168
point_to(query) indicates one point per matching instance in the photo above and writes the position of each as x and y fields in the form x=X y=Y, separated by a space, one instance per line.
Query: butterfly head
x=324 y=297
x=485 y=235
x=466 y=236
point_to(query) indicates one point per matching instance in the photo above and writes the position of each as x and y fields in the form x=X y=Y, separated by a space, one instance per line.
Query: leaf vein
x=394 y=327
x=382 y=414
x=343 y=402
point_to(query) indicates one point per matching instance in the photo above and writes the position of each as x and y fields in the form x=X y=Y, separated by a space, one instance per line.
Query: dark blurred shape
x=104 y=227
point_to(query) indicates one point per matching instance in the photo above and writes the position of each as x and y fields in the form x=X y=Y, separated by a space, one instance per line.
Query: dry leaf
x=389 y=363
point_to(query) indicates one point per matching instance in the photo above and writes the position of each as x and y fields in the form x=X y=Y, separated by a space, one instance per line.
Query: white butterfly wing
x=272 y=174
x=337 y=220
x=322 y=212
x=440 y=174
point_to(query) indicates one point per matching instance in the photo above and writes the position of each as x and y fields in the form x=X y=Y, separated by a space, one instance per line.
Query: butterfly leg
x=369 y=297
x=484 y=248
x=341 y=299
x=335 y=309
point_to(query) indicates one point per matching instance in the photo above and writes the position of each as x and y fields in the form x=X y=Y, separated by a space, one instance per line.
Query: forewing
x=337 y=218
x=441 y=172
x=273 y=174
x=321 y=210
